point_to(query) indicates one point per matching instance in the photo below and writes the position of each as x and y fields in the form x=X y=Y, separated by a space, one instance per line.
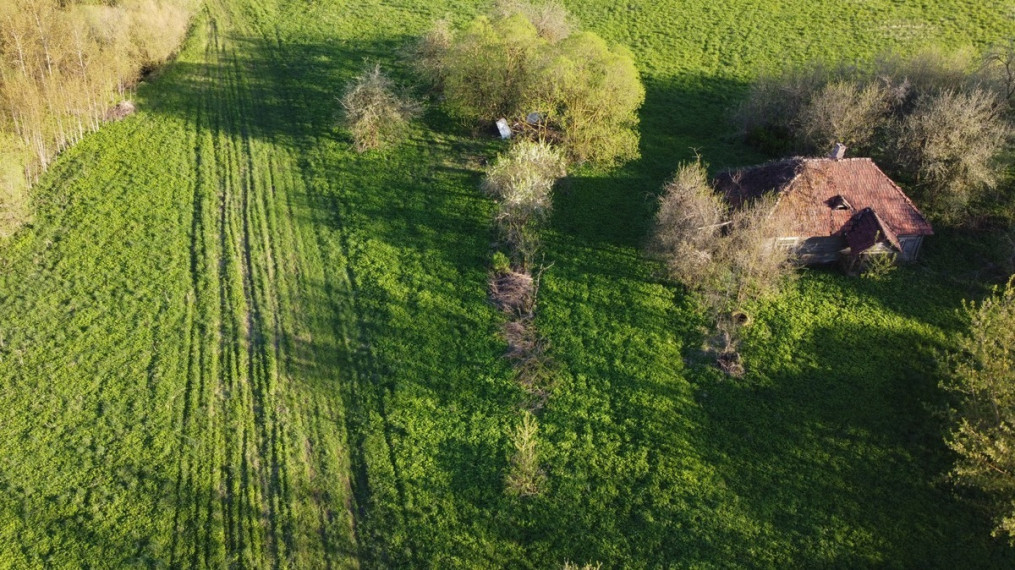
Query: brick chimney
x=838 y=152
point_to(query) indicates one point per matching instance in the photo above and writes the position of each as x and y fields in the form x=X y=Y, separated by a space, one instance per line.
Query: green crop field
x=229 y=340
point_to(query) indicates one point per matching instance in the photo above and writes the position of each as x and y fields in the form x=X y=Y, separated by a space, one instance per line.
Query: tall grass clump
x=528 y=64
x=935 y=121
x=372 y=111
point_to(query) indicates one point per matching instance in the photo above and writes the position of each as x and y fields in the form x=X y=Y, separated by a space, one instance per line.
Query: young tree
x=688 y=225
x=525 y=478
x=983 y=381
x=373 y=113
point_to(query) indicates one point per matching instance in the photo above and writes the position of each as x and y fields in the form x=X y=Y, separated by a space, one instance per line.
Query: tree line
x=64 y=65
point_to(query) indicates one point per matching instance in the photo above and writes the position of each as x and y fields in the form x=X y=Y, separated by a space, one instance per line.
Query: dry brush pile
x=64 y=65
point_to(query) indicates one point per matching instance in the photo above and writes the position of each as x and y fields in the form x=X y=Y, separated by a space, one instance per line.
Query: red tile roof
x=810 y=189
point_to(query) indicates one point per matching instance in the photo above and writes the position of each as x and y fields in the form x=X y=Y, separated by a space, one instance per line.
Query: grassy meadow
x=226 y=339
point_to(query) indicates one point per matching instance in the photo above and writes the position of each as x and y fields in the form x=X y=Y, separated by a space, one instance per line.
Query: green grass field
x=229 y=340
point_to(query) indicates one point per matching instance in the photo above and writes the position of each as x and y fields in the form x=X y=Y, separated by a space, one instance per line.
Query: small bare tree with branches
x=373 y=112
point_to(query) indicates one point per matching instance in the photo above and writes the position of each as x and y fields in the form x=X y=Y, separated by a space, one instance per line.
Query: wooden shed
x=830 y=208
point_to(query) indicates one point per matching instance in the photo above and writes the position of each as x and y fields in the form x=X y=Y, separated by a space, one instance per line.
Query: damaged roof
x=820 y=196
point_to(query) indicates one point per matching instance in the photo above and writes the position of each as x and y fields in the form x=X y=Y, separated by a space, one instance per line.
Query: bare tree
x=688 y=225
x=373 y=112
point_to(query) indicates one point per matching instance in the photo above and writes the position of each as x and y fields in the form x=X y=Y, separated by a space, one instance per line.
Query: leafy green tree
x=983 y=380
x=487 y=68
x=584 y=93
x=592 y=93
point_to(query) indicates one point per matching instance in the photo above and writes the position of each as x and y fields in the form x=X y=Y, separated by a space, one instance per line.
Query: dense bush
x=373 y=112
x=935 y=121
x=524 y=60
x=983 y=379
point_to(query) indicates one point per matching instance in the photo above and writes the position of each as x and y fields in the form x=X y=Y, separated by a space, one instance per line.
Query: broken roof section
x=866 y=230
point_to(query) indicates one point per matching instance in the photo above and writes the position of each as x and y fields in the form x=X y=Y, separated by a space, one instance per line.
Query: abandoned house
x=832 y=209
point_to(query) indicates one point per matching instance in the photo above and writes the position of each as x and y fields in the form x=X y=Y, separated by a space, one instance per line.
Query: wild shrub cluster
x=728 y=257
x=63 y=65
x=521 y=182
x=527 y=63
x=373 y=112
x=983 y=382
x=937 y=122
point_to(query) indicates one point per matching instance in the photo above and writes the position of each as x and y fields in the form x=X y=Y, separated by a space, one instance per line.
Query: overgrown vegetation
x=254 y=346
x=373 y=112
x=525 y=63
x=983 y=382
x=937 y=122
x=63 y=65
x=728 y=257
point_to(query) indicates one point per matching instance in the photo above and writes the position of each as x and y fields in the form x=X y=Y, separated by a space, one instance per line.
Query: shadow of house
x=832 y=209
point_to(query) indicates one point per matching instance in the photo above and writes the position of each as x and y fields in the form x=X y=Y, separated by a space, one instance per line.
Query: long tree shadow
x=819 y=453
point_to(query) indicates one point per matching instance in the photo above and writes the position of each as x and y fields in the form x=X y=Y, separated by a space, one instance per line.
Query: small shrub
x=501 y=263
x=373 y=113
x=525 y=478
x=878 y=266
